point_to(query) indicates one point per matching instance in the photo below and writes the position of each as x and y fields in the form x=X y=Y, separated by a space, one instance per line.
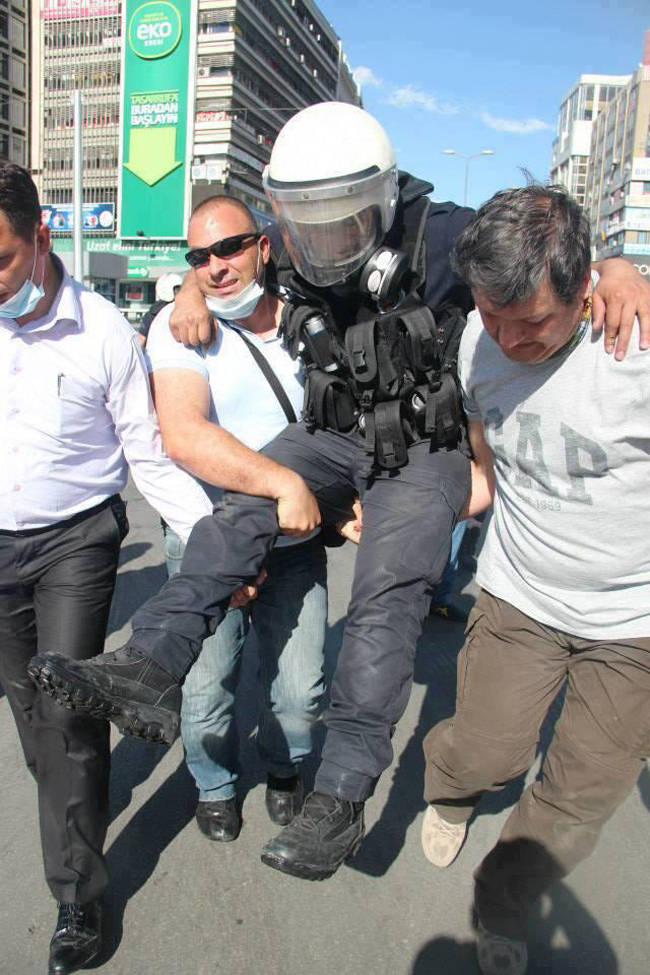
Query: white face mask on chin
x=241 y=305
x=26 y=298
x=238 y=306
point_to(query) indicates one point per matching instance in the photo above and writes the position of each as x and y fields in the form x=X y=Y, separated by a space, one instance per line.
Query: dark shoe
x=284 y=798
x=125 y=686
x=325 y=832
x=449 y=611
x=77 y=937
x=219 y=819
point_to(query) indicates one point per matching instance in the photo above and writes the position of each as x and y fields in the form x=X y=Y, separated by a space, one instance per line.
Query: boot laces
x=319 y=806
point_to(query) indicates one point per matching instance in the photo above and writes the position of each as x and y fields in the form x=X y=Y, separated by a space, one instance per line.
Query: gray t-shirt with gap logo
x=569 y=538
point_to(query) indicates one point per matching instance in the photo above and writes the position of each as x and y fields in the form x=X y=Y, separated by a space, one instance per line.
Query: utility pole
x=77 y=191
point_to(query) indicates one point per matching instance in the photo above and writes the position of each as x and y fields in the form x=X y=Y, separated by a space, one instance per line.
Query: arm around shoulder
x=620 y=298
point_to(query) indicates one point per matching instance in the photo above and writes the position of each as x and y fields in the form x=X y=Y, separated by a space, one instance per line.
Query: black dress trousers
x=56 y=586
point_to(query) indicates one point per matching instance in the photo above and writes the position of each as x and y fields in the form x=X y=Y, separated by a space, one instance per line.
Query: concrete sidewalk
x=181 y=904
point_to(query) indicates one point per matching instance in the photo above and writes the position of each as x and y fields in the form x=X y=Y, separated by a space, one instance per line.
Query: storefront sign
x=157 y=116
x=78 y=9
x=97 y=217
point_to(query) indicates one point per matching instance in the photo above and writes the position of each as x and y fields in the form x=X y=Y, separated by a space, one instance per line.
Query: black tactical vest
x=391 y=374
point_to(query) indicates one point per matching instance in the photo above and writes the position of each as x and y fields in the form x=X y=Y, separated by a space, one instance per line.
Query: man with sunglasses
x=216 y=409
x=367 y=264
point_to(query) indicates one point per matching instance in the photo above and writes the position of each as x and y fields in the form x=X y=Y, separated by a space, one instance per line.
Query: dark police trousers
x=408 y=517
x=56 y=586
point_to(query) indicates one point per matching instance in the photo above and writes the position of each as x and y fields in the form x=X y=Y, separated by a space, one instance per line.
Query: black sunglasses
x=222 y=248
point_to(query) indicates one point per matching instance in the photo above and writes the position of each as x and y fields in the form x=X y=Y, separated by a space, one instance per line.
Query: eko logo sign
x=154 y=29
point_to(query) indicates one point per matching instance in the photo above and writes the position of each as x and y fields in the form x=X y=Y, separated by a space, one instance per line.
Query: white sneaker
x=498 y=955
x=441 y=841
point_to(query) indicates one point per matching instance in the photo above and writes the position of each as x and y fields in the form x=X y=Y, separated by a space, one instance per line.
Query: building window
x=17 y=73
x=18 y=112
x=18 y=33
x=18 y=149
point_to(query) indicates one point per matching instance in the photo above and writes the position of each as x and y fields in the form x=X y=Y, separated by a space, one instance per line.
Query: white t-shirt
x=569 y=540
x=241 y=399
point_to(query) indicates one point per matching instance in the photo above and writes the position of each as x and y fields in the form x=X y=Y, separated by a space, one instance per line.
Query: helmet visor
x=331 y=229
x=327 y=253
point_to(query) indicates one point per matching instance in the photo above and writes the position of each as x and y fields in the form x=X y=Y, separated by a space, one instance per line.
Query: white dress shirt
x=75 y=409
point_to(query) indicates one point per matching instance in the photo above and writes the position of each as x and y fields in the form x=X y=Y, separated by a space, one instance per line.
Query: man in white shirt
x=562 y=445
x=75 y=408
x=216 y=408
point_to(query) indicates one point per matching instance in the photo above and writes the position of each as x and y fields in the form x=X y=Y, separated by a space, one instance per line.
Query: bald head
x=226 y=207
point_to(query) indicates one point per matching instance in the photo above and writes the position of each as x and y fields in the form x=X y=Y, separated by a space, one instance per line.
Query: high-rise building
x=578 y=111
x=14 y=80
x=258 y=63
x=255 y=63
x=618 y=187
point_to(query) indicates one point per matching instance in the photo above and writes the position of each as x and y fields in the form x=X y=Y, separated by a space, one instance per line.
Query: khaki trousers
x=509 y=671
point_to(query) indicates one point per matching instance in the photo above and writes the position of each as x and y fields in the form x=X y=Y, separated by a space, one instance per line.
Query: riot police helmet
x=167 y=285
x=332 y=182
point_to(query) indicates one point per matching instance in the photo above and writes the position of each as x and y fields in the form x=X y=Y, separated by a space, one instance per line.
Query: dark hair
x=19 y=200
x=220 y=200
x=521 y=237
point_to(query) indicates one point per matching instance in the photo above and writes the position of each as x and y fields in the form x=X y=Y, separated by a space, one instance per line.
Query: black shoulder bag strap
x=271 y=378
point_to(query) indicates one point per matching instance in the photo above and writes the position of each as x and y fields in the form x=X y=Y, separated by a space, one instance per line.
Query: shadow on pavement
x=133 y=551
x=132 y=762
x=583 y=946
x=134 y=854
x=133 y=588
x=644 y=787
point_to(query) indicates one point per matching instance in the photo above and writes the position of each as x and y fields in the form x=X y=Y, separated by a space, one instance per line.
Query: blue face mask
x=26 y=298
x=238 y=306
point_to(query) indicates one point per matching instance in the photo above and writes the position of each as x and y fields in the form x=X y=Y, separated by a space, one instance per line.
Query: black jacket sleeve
x=445 y=223
x=145 y=322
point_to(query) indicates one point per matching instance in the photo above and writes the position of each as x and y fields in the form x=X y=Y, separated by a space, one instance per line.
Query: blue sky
x=480 y=74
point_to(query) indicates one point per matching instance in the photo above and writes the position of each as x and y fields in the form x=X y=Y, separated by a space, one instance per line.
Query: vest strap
x=390 y=441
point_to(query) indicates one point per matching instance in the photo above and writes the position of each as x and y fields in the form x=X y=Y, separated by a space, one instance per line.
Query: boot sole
x=150 y=723
x=303 y=870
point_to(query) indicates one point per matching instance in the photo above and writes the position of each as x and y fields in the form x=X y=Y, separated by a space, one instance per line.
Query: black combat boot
x=77 y=937
x=325 y=832
x=284 y=798
x=125 y=686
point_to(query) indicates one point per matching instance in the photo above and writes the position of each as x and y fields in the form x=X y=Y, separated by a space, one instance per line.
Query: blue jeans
x=447 y=585
x=289 y=618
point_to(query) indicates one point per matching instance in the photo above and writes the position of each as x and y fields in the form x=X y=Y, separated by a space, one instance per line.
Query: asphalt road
x=179 y=903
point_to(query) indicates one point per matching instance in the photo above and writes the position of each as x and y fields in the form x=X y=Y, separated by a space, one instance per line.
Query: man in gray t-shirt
x=561 y=441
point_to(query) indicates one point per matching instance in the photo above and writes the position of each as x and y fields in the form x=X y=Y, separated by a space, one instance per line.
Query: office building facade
x=579 y=109
x=256 y=62
x=618 y=187
x=14 y=80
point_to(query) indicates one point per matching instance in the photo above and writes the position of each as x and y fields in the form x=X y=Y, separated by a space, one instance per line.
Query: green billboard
x=157 y=114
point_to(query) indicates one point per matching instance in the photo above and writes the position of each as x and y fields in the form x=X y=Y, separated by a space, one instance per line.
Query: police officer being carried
x=374 y=310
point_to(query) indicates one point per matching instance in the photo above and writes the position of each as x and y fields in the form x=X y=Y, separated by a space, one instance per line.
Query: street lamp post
x=468 y=159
